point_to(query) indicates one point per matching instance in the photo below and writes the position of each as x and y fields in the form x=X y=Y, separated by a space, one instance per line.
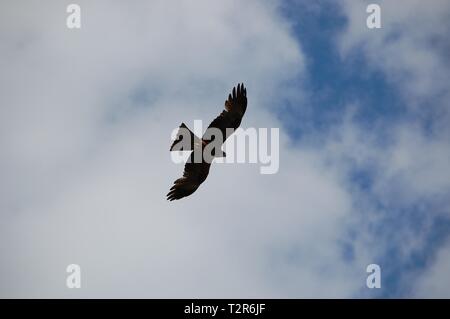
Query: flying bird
x=196 y=172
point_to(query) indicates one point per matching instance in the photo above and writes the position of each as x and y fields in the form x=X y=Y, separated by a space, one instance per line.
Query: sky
x=86 y=120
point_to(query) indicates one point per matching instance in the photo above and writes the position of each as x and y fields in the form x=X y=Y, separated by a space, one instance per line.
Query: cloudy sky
x=85 y=122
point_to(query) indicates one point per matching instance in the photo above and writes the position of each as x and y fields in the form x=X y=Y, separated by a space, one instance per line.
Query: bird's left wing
x=194 y=174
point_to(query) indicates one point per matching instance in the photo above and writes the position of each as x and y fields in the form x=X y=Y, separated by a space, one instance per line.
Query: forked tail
x=185 y=140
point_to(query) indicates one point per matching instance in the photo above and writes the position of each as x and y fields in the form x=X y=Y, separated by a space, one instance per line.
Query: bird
x=196 y=169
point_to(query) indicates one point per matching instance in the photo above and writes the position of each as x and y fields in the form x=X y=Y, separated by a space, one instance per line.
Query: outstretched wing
x=194 y=174
x=231 y=117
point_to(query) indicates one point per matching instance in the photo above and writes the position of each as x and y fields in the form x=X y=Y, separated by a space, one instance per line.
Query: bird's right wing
x=237 y=100
x=235 y=107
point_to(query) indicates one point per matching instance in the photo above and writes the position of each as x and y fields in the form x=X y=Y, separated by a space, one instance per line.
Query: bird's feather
x=196 y=173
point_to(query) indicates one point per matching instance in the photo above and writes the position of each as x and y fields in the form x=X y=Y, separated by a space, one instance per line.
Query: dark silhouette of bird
x=197 y=167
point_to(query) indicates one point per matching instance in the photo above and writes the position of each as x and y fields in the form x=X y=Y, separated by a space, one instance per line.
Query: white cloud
x=411 y=45
x=86 y=118
x=411 y=168
x=85 y=123
x=435 y=283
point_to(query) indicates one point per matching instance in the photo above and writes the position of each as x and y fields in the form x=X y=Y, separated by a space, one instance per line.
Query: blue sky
x=333 y=82
x=364 y=174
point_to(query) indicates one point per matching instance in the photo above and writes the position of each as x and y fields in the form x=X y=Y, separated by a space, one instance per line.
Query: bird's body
x=197 y=167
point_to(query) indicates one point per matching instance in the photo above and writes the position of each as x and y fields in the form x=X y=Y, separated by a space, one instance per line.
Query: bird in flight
x=196 y=169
